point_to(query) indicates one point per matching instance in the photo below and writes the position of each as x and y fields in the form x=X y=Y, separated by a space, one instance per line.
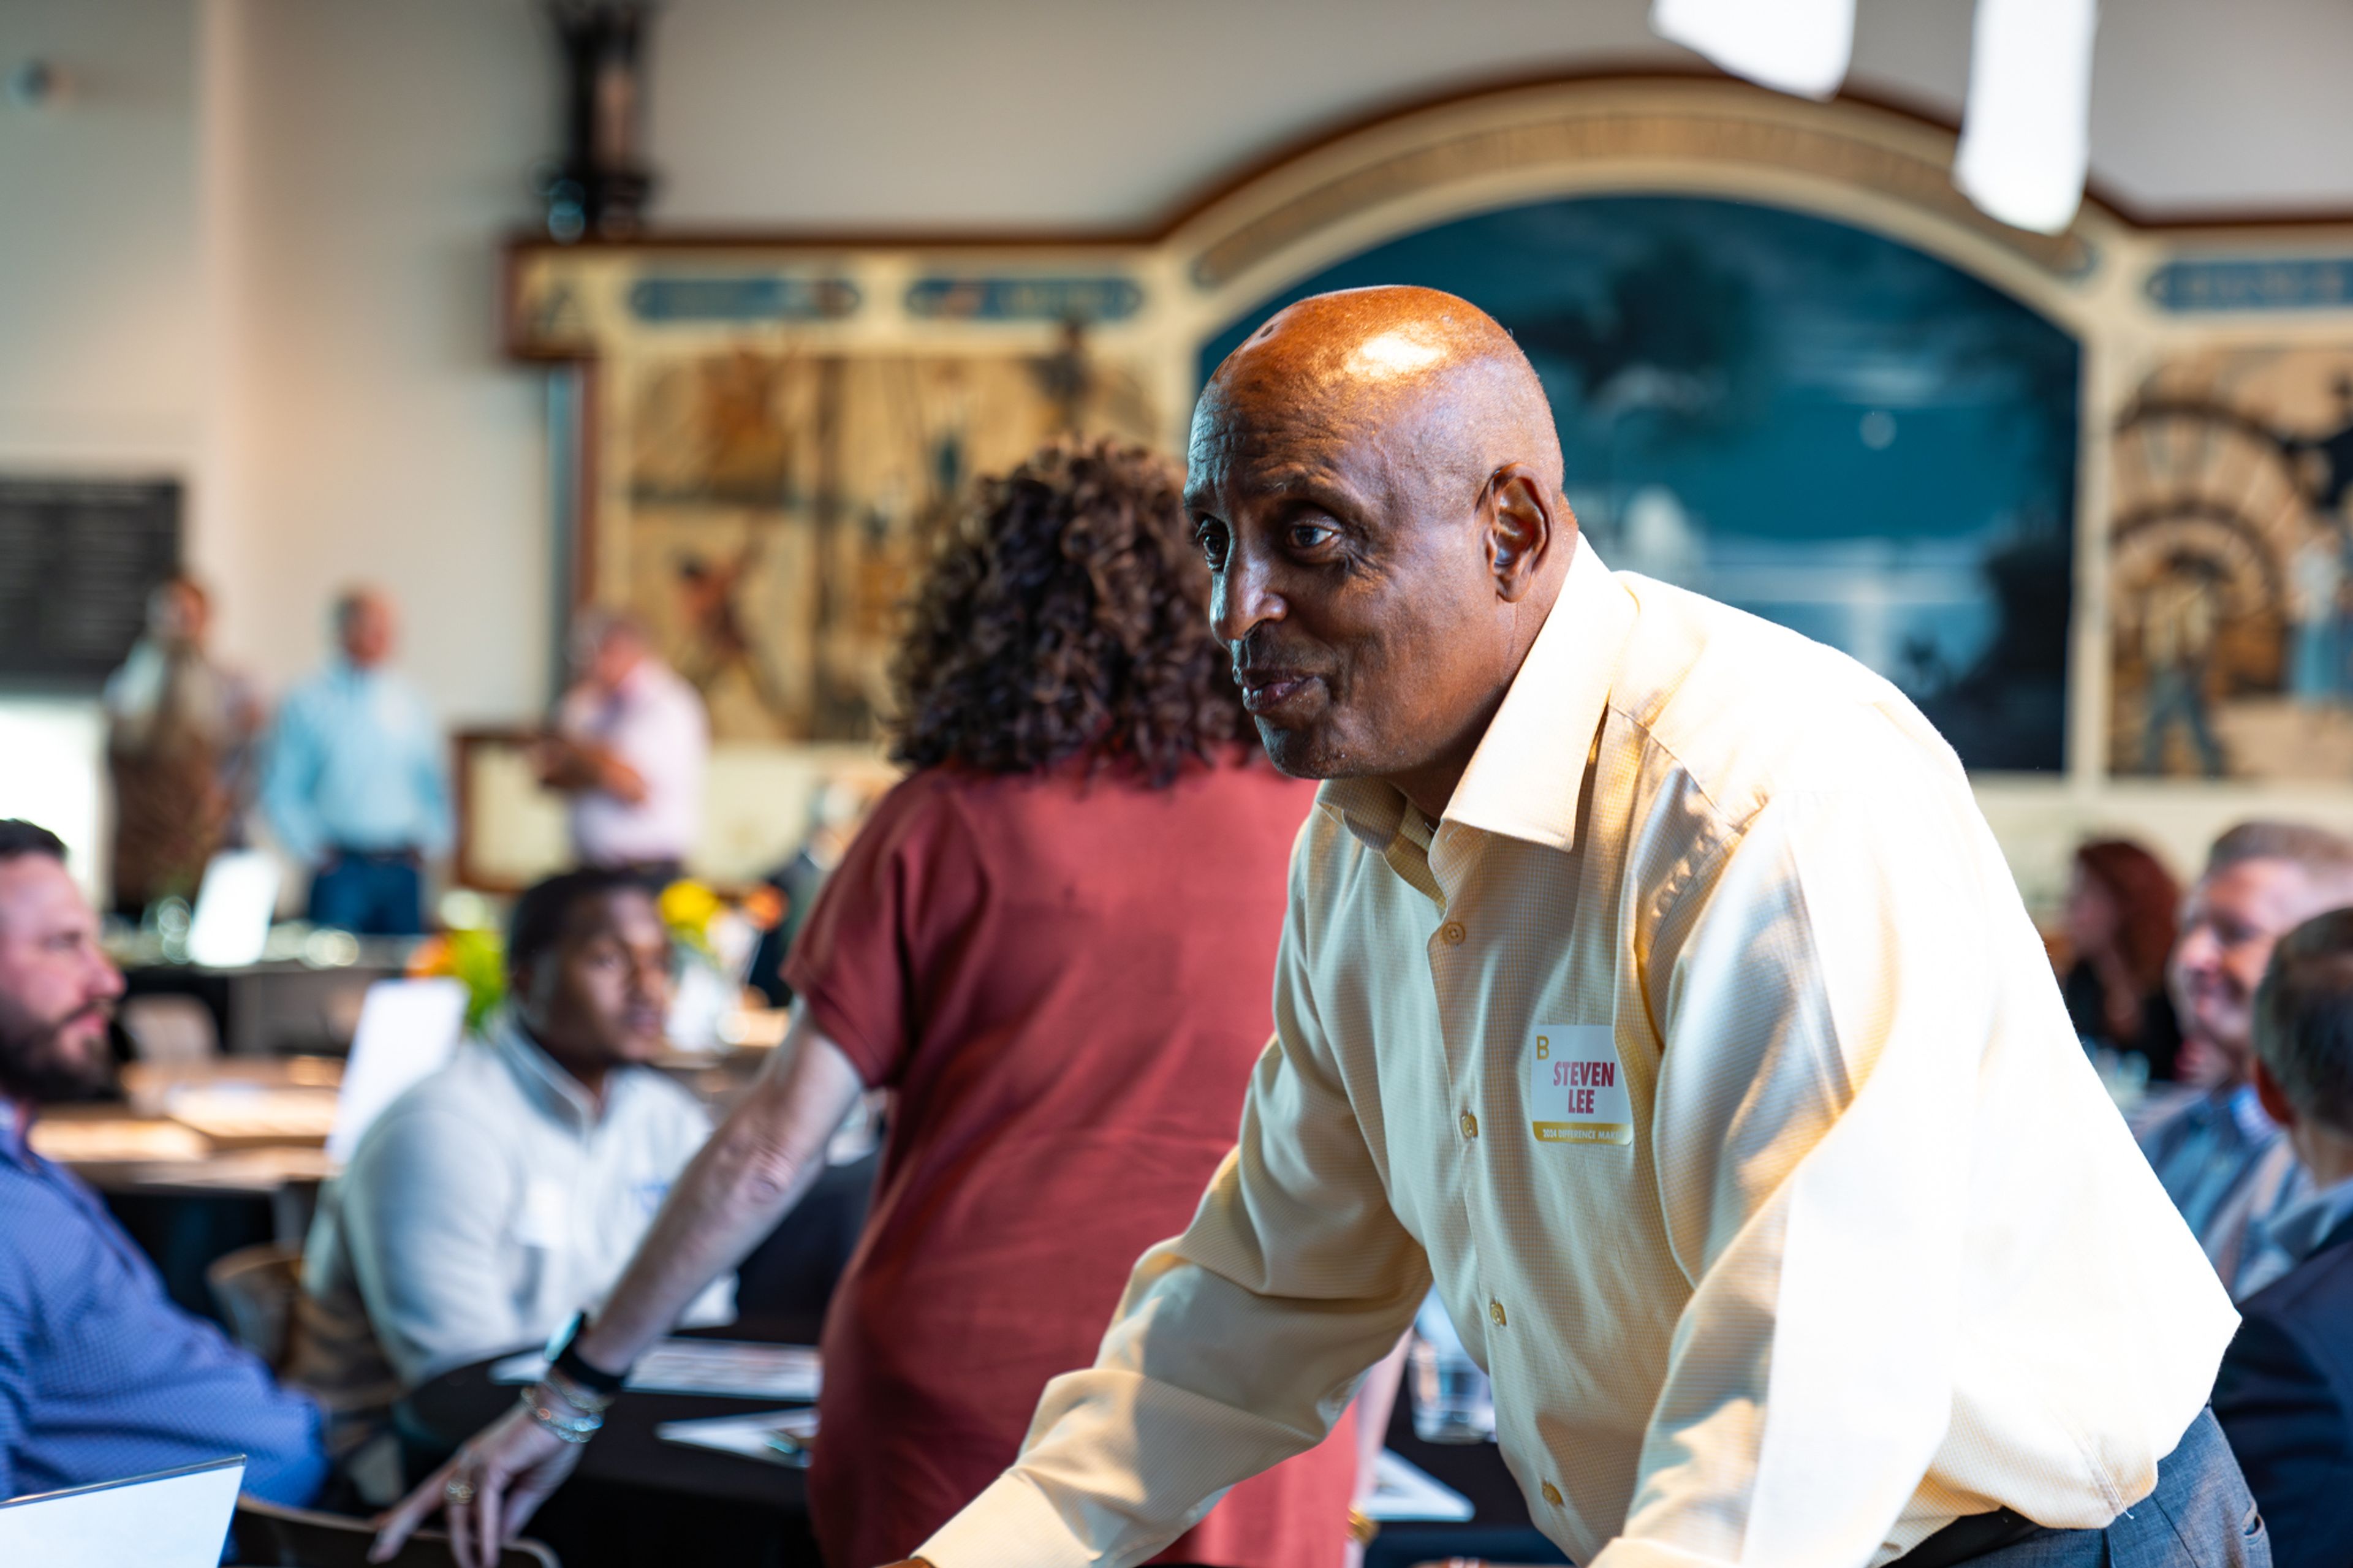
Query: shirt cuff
x=1009 y=1525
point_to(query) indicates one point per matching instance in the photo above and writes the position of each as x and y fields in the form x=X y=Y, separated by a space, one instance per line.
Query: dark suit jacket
x=2284 y=1397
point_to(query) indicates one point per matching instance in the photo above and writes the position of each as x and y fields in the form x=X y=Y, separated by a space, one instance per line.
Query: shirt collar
x=15 y=1122
x=2302 y=1226
x=1526 y=780
x=2247 y=1112
x=554 y=1091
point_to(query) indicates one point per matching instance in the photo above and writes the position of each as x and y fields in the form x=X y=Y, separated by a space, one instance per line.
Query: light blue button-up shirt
x=2228 y=1169
x=356 y=763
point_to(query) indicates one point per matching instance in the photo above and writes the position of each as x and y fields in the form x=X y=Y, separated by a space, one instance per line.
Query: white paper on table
x=1402 y=1491
x=406 y=1028
x=772 y=1436
x=176 y=1520
x=733 y=1369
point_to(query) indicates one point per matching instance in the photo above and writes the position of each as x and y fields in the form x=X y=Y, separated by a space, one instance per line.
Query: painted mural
x=2231 y=568
x=775 y=502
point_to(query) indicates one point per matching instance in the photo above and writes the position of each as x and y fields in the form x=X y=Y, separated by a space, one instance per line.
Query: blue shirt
x=102 y=1377
x=2228 y=1168
x=356 y=763
x=2302 y=1226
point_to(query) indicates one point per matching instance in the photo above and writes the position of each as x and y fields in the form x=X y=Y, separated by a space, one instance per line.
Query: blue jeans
x=2201 y=1516
x=369 y=894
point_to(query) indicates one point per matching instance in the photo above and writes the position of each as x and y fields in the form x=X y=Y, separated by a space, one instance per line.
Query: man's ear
x=523 y=987
x=1527 y=525
x=2277 y=1104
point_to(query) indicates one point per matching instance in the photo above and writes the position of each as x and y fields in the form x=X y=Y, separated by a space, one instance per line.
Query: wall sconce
x=37 y=84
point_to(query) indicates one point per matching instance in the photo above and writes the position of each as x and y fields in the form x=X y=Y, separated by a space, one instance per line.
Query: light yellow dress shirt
x=1703 y=1055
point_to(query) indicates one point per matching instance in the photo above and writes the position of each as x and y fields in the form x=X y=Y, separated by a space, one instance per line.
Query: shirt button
x=1495 y=1310
x=1552 y=1494
x=1452 y=934
x=1469 y=1125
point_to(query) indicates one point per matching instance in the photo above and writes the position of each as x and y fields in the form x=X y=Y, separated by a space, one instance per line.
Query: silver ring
x=458 y=1491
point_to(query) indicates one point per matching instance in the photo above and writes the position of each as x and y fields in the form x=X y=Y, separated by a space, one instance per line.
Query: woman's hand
x=488 y=1490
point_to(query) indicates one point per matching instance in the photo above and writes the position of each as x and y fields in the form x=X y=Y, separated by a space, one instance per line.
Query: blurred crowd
x=350 y=775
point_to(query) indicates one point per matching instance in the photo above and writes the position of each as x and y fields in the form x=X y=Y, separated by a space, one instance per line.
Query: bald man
x=1653 y=984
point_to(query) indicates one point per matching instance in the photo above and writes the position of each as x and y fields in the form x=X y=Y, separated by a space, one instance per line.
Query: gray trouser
x=2201 y=1516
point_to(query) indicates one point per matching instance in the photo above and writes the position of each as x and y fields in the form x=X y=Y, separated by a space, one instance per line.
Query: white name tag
x=1576 y=1091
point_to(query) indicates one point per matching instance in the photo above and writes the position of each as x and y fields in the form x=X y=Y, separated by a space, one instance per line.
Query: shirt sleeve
x=1237 y=1345
x=289 y=777
x=424 y=1204
x=1820 y=1004
x=884 y=928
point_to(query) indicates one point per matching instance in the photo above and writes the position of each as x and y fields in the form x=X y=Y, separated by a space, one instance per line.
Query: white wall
x=364 y=164
x=99 y=304
x=1083 y=111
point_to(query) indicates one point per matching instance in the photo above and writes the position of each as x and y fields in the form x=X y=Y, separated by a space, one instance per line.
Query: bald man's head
x=1375 y=477
x=1418 y=368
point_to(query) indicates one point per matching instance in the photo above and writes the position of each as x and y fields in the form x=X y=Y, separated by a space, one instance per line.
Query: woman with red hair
x=2121 y=907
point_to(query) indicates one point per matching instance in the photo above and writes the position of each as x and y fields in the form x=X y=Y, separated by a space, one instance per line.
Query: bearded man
x=102 y=1377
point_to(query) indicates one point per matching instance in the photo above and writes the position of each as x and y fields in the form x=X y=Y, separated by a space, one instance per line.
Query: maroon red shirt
x=1067 y=980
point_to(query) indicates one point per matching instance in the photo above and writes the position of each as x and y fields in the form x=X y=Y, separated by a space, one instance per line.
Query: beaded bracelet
x=541 y=1401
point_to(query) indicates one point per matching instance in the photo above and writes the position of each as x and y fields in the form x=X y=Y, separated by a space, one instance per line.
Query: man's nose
x=1242 y=597
x=651 y=981
x=2197 y=950
x=106 y=980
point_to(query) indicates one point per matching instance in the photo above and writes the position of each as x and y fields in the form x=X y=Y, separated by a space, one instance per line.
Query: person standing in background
x=355 y=786
x=2121 y=906
x=630 y=743
x=179 y=737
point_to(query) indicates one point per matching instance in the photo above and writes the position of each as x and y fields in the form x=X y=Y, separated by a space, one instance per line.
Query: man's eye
x=1310 y=535
x=1211 y=538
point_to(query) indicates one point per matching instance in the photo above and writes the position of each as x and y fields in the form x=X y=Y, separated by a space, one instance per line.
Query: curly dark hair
x=1065 y=615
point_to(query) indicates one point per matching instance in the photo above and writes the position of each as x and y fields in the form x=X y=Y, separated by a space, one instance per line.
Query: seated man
x=2284 y=1396
x=102 y=1377
x=503 y=1193
x=2220 y=1158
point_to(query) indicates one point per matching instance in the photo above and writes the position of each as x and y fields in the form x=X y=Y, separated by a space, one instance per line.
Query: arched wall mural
x=2082 y=495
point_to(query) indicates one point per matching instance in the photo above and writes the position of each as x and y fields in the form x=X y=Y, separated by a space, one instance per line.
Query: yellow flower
x=689 y=907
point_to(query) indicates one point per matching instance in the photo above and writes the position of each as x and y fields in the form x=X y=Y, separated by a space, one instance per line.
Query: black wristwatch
x=567 y=1362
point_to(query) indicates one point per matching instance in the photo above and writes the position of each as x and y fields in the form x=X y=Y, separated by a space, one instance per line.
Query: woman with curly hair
x=1055 y=940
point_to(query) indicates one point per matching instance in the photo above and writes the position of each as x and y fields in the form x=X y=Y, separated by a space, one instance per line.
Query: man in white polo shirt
x=630 y=744
x=507 y=1192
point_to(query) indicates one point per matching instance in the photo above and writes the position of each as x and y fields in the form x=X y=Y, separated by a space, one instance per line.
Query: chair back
x=255 y=1287
x=278 y=1537
x=170 y=1030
